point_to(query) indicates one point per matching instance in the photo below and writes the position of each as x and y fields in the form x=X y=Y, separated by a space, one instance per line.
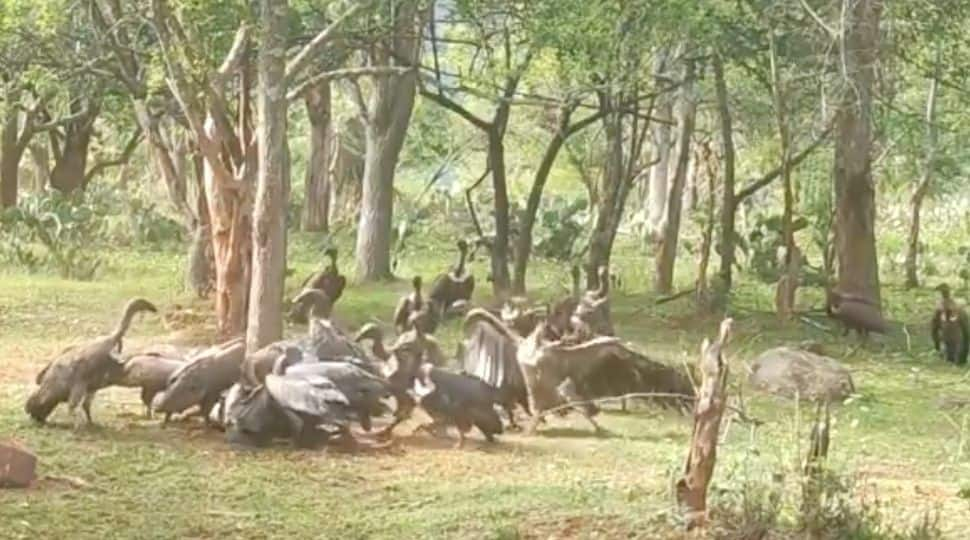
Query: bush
x=51 y=230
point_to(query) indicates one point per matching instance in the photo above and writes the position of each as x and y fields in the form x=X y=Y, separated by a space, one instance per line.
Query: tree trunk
x=657 y=197
x=70 y=168
x=788 y=281
x=11 y=152
x=387 y=120
x=523 y=245
x=667 y=252
x=316 y=203
x=854 y=190
x=500 y=249
x=708 y=411
x=165 y=161
x=347 y=172
x=916 y=202
x=728 y=201
x=42 y=166
x=601 y=240
x=272 y=191
x=230 y=216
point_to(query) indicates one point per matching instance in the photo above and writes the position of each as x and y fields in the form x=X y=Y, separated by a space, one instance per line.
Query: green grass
x=145 y=482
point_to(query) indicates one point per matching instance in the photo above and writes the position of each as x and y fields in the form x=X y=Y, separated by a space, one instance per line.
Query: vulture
x=517 y=316
x=490 y=354
x=202 y=380
x=452 y=290
x=328 y=280
x=855 y=313
x=414 y=303
x=324 y=341
x=149 y=371
x=363 y=389
x=288 y=405
x=557 y=373
x=560 y=316
x=592 y=314
x=80 y=371
x=457 y=399
x=950 y=328
x=402 y=361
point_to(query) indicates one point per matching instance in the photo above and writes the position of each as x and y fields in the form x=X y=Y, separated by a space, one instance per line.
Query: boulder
x=787 y=371
x=18 y=467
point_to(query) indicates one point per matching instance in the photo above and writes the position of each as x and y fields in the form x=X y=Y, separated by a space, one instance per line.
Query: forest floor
x=904 y=458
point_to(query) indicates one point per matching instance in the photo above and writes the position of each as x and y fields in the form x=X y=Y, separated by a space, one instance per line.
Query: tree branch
x=454 y=107
x=770 y=177
x=312 y=49
x=118 y=161
x=233 y=58
x=346 y=73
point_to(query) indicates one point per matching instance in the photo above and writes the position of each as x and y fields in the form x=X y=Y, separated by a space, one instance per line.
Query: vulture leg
x=205 y=407
x=510 y=411
x=461 y=439
x=567 y=390
x=77 y=395
x=147 y=397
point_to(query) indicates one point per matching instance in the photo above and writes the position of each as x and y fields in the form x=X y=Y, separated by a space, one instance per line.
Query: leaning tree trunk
x=70 y=169
x=387 y=118
x=858 y=271
x=316 y=203
x=523 y=244
x=916 y=202
x=272 y=191
x=667 y=252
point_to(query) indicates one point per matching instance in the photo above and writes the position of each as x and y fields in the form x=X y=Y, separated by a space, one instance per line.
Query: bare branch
x=347 y=73
x=456 y=108
x=233 y=58
x=770 y=177
x=122 y=158
x=312 y=49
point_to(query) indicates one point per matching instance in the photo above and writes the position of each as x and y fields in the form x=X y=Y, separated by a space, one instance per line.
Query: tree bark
x=788 y=282
x=523 y=244
x=708 y=411
x=500 y=249
x=316 y=203
x=387 y=118
x=347 y=172
x=858 y=271
x=916 y=202
x=659 y=172
x=70 y=168
x=272 y=187
x=11 y=152
x=728 y=199
x=42 y=166
x=667 y=252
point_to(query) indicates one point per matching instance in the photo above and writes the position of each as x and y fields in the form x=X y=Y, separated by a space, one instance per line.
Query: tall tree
x=386 y=117
x=272 y=182
x=316 y=200
x=667 y=249
x=926 y=179
x=858 y=270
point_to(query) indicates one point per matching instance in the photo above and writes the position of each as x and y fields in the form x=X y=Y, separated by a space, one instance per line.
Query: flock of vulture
x=313 y=389
x=316 y=388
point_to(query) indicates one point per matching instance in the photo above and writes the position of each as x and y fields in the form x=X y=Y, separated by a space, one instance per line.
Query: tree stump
x=708 y=410
x=17 y=466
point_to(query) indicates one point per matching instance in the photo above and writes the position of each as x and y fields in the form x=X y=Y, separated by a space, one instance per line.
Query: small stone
x=18 y=467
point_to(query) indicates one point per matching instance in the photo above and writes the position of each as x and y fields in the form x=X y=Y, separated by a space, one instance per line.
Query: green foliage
x=51 y=230
x=764 y=242
x=560 y=225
